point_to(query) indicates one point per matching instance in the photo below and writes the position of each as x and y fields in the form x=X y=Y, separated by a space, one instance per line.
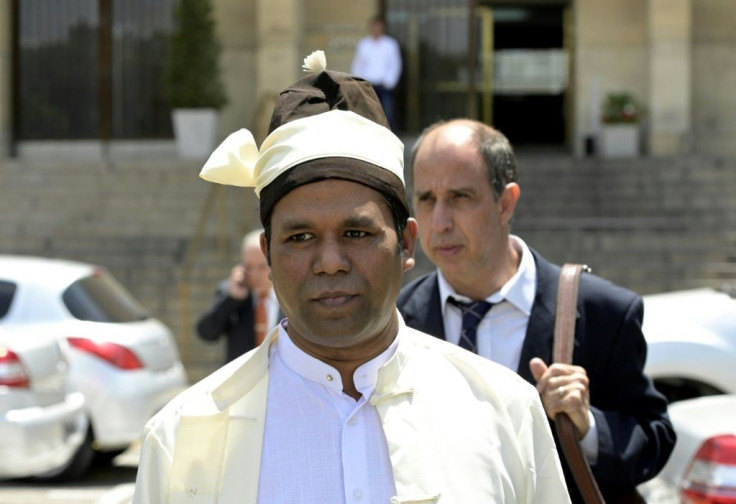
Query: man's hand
x=238 y=284
x=563 y=388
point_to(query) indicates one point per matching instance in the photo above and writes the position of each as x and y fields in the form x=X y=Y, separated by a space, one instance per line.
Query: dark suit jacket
x=634 y=432
x=232 y=317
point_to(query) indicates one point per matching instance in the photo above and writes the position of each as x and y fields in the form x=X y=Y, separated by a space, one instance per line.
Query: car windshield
x=100 y=298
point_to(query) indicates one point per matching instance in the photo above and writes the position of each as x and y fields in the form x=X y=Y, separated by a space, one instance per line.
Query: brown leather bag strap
x=567 y=302
x=567 y=433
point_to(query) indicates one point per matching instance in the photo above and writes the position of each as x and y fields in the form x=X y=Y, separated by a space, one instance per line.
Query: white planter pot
x=195 y=131
x=619 y=140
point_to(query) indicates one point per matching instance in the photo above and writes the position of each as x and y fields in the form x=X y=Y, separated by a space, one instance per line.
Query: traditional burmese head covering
x=326 y=125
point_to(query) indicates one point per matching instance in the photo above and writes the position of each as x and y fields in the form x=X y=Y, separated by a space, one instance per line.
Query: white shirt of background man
x=378 y=61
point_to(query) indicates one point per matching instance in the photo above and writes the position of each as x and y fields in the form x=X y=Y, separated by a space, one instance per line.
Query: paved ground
x=104 y=485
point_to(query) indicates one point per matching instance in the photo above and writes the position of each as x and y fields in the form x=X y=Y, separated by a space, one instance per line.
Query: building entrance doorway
x=507 y=64
x=531 y=73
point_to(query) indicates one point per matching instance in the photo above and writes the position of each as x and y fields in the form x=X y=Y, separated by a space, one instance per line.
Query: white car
x=42 y=421
x=691 y=338
x=124 y=361
x=702 y=468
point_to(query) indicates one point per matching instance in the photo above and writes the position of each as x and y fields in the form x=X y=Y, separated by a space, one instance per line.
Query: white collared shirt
x=321 y=445
x=378 y=61
x=501 y=333
x=506 y=321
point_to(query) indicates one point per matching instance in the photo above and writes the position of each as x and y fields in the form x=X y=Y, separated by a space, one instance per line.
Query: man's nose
x=441 y=217
x=331 y=257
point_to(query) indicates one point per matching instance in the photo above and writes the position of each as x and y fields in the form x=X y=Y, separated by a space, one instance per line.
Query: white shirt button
x=358 y=494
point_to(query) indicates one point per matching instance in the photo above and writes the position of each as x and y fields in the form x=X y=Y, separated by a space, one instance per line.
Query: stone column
x=6 y=77
x=669 y=106
x=278 y=58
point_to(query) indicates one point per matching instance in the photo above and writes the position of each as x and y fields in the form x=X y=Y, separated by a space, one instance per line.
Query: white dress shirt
x=378 y=61
x=458 y=429
x=501 y=333
x=314 y=432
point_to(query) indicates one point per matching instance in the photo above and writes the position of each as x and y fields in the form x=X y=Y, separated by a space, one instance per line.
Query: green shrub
x=192 y=70
x=621 y=108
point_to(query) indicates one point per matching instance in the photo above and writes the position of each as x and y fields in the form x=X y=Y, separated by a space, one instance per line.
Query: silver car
x=702 y=468
x=124 y=361
x=691 y=338
x=42 y=421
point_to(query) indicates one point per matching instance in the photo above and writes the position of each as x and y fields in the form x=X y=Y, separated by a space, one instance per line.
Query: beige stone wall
x=335 y=26
x=714 y=76
x=237 y=32
x=265 y=41
x=611 y=55
x=669 y=117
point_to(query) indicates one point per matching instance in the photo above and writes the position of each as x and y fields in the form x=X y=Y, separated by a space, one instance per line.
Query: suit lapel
x=540 y=331
x=423 y=309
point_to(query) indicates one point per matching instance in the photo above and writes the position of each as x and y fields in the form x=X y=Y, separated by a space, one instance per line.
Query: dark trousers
x=386 y=97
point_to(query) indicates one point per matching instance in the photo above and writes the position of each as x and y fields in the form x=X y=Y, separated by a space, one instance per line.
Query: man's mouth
x=447 y=250
x=334 y=299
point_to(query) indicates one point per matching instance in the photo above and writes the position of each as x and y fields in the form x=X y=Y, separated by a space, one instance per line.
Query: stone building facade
x=676 y=56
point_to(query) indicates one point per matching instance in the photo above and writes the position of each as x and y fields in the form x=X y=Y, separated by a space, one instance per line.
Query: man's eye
x=354 y=233
x=299 y=237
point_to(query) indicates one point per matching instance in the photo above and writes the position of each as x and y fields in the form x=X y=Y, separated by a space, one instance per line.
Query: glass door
x=437 y=81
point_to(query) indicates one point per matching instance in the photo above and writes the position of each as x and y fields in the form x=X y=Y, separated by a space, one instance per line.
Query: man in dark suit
x=245 y=306
x=465 y=190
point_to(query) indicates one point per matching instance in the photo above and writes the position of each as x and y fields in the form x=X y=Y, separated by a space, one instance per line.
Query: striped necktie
x=472 y=313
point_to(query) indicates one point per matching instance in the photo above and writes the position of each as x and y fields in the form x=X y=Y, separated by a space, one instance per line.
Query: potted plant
x=620 y=128
x=193 y=85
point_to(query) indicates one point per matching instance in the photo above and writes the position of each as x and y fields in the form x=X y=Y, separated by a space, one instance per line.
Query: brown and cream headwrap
x=326 y=125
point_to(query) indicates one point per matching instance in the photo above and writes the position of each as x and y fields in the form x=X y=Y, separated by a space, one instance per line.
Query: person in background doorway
x=378 y=60
x=496 y=296
x=245 y=306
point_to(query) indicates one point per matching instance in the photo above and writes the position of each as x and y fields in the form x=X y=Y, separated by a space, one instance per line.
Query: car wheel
x=79 y=464
x=107 y=457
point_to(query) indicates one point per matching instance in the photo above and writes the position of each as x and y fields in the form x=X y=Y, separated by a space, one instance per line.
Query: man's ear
x=507 y=201
x=264 y=249
x=409 y=236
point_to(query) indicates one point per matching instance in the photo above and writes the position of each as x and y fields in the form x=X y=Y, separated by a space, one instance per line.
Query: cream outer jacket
x=460 y=429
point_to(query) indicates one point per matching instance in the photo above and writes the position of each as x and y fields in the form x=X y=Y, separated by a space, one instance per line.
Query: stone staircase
x=648 y=224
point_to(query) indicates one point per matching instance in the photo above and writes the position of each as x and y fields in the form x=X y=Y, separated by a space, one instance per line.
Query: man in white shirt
x=343 y=403
x=377 y=59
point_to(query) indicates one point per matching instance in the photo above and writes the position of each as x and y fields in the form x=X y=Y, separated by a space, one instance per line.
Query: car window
x=100 y=298
x=7 y=291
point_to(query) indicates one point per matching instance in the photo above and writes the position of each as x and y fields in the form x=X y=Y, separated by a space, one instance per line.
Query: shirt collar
x=519 y=290
x=315 y=370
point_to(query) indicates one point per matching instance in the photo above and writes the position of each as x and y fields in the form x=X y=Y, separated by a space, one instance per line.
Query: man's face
x=335 y=263
x=377 y=29
x=462 y=228
x=256 y=269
